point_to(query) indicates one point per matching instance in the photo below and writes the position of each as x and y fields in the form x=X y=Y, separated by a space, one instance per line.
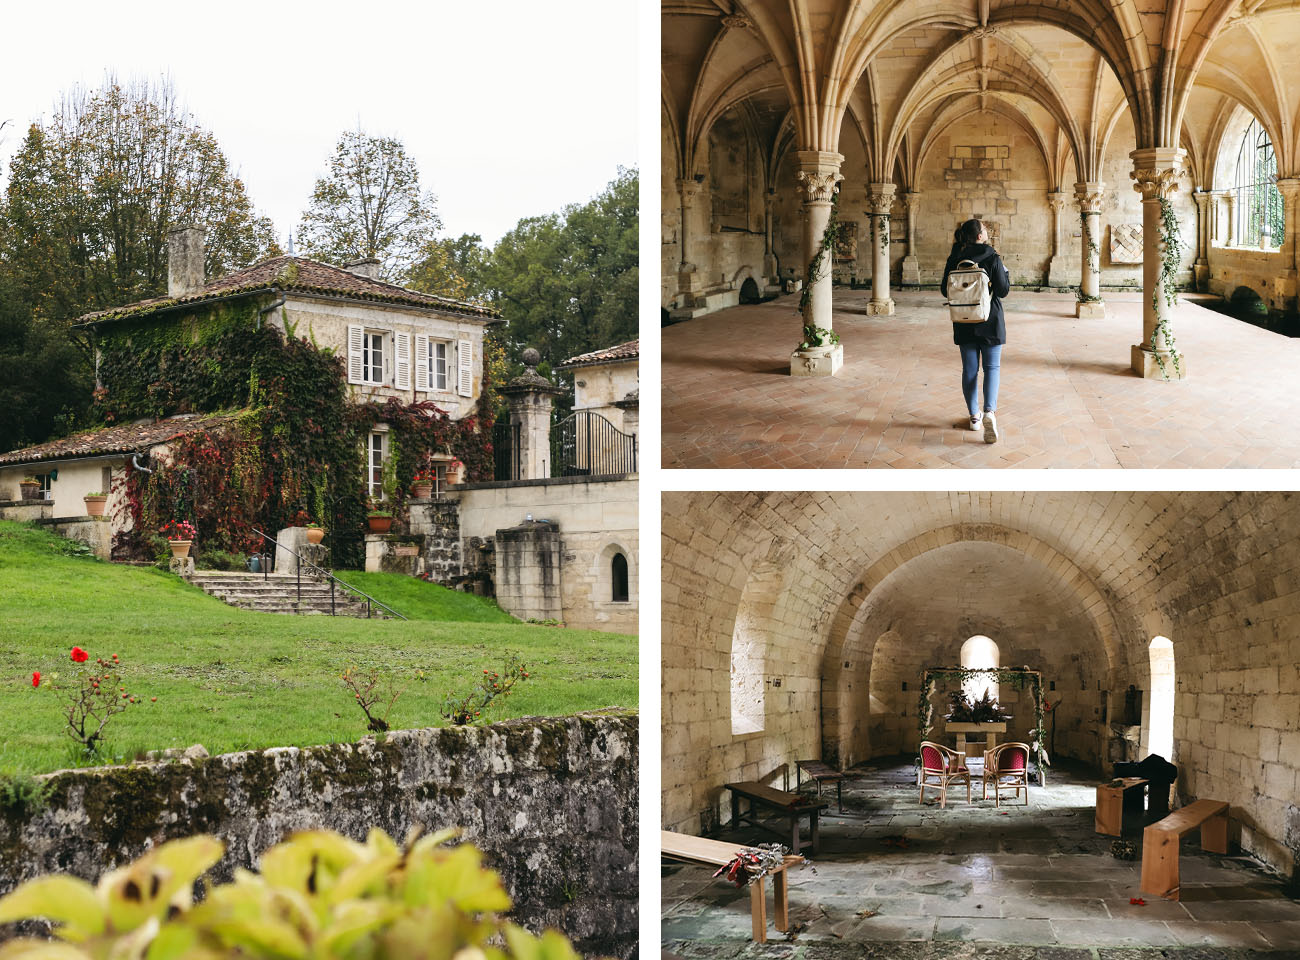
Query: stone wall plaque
x=1126 y=243
x=846 y=244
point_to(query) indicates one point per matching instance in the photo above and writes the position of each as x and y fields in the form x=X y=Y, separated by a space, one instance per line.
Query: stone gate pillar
x=1056 y=276
x=530 y=397
x=1203 y=215
x=687 y=275
x=1289 y=187
x=1155 y=174
x=911 y=265
x=880 y=200
x=1088 y=197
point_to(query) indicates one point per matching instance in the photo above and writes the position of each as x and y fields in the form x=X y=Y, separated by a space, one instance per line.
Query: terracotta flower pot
x=95 y=505
x=379 y=524
x=180 y=548
x=315 y=534
x=422 y=491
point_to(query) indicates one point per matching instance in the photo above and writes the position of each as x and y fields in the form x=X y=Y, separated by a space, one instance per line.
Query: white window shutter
x=402 y=373
x=422 y=362
x=465 y=368
x=356 y=335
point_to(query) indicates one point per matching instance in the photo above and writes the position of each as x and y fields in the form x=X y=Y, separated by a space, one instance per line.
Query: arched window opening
x=1160 y=739
x=980 y=653
x=1261 y=215
x=749 y=650
x=618 y=577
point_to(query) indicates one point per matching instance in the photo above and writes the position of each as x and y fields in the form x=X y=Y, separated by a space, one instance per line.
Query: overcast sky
x=511 y=108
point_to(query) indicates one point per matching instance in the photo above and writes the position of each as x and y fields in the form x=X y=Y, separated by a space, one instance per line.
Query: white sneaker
x=990 y=427
x=975 y=423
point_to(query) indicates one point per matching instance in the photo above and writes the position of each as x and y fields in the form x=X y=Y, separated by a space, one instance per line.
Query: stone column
x=1231 y=197
x=771 y=271
x=530 y=397
x=911 y=265
x=880 y=200
x=818 y=174
x=687 y=276
x=1056 y=276
x=1155 y=174
x=1203 y=214
x=1088 y=197
x=1289 y=187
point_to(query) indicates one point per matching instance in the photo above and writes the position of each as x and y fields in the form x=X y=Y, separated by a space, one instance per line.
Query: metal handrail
x=333 y=579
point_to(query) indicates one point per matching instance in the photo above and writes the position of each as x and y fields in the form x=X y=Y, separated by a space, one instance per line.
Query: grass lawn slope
x=232 y=679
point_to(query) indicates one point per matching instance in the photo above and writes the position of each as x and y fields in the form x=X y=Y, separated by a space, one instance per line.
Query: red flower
x=1137 y=901
x=79 y=656
x=36 y=678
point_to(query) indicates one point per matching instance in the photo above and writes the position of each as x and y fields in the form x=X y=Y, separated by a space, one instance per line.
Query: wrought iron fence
x=586 y=444
x=505 y=451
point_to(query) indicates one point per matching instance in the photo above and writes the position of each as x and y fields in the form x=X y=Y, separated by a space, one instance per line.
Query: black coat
x=993 y=330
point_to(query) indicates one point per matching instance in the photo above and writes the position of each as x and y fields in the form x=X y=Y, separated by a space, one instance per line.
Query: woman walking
x=980 y=343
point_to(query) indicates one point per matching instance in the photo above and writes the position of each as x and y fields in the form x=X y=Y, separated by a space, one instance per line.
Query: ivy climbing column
x=1088 y=196
x=880 y=200
x=1155 y=175
x=687 y=279
x=911 y=265
x=1289 y=187
x=819 y=174
x=1056 y=266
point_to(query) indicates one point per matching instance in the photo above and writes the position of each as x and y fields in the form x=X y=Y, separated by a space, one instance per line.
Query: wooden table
x=788 y=805
x=1114 y=801
x=990 y=731
x=715 y=853
x=819 y=771
x=1160 y=843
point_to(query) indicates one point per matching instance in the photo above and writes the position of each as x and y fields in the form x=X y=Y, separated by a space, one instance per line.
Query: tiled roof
x=624 y=351
x=294 y=274
x=123 y=438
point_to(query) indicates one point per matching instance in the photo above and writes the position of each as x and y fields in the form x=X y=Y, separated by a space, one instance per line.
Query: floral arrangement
x=178 y=530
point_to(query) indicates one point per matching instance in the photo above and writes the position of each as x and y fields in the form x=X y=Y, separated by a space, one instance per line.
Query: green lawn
x=233 y=679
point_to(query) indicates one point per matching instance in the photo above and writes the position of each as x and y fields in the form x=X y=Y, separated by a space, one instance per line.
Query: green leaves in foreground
x=319 y=895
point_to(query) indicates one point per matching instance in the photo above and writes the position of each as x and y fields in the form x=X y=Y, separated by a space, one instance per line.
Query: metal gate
x=505 y=451
x=588 y=445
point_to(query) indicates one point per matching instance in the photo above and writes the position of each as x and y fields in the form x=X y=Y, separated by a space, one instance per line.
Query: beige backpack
x=970 y=293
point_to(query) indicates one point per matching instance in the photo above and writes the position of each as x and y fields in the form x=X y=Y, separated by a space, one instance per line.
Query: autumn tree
x=94 y=189
x=453 y=268
x=370 y=204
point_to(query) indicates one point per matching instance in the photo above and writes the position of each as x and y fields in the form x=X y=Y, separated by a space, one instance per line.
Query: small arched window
x=1160 y=737
x=1261 y=214
x=980 y=653
x=618 y=578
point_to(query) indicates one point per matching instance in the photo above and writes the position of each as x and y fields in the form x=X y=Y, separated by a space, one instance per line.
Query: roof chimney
x=184 y=261
x=367 y=267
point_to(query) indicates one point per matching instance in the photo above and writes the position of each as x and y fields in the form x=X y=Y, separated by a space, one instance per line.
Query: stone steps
x=278 y=593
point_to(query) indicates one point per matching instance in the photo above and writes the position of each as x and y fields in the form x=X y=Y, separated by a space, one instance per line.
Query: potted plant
x=30 y=487
x=422 y=484
x=315 y=533
x=379 y=519
x=456 y=471
x=95 y=503
x=180 y=536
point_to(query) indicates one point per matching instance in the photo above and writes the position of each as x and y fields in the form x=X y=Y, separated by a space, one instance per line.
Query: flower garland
x=1017 y=677
x=1171 y=246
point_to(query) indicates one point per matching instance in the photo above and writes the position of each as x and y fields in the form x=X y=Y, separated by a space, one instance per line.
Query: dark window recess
x=618 y=572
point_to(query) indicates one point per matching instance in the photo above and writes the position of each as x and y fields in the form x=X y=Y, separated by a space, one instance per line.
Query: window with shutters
x=439 y=352
x=375 y=466
x=372 y=357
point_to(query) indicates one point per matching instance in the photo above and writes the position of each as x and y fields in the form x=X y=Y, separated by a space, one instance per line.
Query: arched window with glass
x=1261 y=217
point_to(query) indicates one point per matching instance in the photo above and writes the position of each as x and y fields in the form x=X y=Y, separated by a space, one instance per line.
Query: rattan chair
x=1007 y=765
x=941 y=766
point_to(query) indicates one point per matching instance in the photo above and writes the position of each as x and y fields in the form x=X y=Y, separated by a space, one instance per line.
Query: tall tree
x=369 y=204
x=93 y=191
x=453 y=268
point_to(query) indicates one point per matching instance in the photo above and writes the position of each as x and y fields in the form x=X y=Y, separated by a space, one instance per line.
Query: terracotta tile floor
x=1068 y=398
x=1031 y=882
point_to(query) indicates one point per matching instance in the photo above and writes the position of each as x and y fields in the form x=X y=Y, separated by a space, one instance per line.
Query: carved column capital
x=1089 y=196
x=911 y=200
x=880 y=198
x=818 y=174
x=1156 y=171
x=1203 y=198
x=689 y=188
x=1289 y=187
x=1057 y=200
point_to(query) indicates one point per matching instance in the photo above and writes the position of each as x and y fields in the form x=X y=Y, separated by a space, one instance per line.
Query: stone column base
x=1146 y=366
x=880 y=308
x=1056 y=275
x=911 y=272
x=1202 y=274
x=181 y=566
x=817 y=361
x=1089 y=309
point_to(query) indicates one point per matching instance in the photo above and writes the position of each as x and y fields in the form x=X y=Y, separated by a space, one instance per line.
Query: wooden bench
x=1160 y=843
x=1114 y=801
x=818 y=771
x=715 y=853
x=788 y=805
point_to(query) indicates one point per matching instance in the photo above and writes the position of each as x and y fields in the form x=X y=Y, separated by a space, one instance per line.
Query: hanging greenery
x=830 y=236
x=1167 y=285
x=1018 y=678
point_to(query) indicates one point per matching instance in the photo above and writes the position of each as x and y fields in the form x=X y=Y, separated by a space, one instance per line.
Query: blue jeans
x=971 y=355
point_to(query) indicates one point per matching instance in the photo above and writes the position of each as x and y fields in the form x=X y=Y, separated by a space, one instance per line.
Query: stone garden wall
x=551 y=802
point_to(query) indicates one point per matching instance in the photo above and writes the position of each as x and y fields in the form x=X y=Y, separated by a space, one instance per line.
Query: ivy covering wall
x=295 y=444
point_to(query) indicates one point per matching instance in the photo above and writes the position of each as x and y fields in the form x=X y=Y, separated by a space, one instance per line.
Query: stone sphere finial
x=532 y=358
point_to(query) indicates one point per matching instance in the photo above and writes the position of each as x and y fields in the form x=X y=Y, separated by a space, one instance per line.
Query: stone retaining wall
x=551 y=802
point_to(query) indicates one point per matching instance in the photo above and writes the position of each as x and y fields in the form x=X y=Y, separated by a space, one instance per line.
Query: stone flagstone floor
x=1036 y=880
x=1068 y=398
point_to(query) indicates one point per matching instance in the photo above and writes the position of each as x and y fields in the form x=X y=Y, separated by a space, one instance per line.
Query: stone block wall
x=94 y=532
x=528 y=571
x=551 y=802
x=26 y=511
x=438 y=521
x=1266 y=273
